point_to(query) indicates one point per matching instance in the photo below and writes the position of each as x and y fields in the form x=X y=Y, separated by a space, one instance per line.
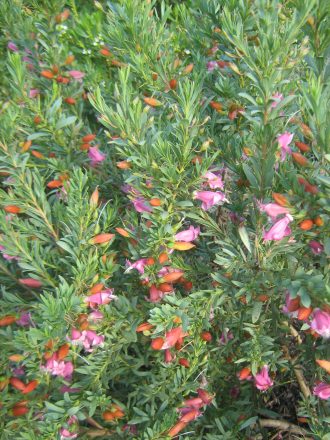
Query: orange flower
x=206 y=336
x=244 y=374
x=306 y=224
x=69 y=100
x=184 y=362
x=19 y=410
x=163 y=257
x=173 y=84
x=302 y=147
x=157 y=343
x=318 y=221
x=37 y=154
x=97 y=288
x=30 y=387
x=172 y=276
x=94 y=200
x=155 y=202
x=7 y=320
x=26 y=146
x=165 y=287
x=17 y=383
x=178 y=427
x=12 y=209
x=101 y=238
x=69 y=59
x=216 y=106
x=63 y=351
x=16 y=357
x=84 y=147
x=188 y=69
x=304 y=313
x=105 y=52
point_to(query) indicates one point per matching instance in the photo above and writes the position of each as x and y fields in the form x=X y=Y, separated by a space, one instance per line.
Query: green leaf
x=64 y=122
x=244 y=237
x=256 y=311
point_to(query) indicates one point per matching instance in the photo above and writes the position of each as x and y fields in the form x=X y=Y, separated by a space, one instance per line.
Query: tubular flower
x=279 y=230
x=209 y=198
x=262 y=380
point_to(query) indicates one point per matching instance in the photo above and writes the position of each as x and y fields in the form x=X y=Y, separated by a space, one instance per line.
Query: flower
x=321 y=323
x=6 y=256
x=95 y=316
x=100 y=298
x=279 y=230
x=140 y=205
x=172 y=337
x=214 y=181
x=138 y=265
x=226 y=336
x=24 y=320
x=316 y=247
x=211 y=65
x=262 y=380
x=12 y=46
x=76 y=74
x=88 y=338
x=277 y=98
x=33 y=93
x=209 y=198
x=322 y=390
x=155 y=295
x=67 y=433
x=284 y=141
x=273 y=209
x=59 y=368
x=188 y=234
x=291 y=305
x=95 y=155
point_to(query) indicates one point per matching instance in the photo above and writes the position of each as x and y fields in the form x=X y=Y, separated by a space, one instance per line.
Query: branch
x=282 y=425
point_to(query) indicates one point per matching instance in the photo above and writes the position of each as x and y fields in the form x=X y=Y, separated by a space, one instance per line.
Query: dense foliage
x=164 y=219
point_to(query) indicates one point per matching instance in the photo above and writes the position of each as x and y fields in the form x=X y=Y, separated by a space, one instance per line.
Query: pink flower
x=316 y=247
x=209 y=198
x=262 y=380
x=59 y=368
x=24 y=320
x=173 y=336
x=95 y=316
x=6 y=256
x=321 y=323
x=103 y=297
x=214 y=181
x=291 y=306
x=277 y=98
x=155 y=295
x=12 y=46
x=279 y=230
x=33 y=93
x=95 y=155
x=69 y=433
x=273 y=209
x=138 y=265
x=211 y=65
x=284 y=140
x=140 y=205
x=188 y=234
x=168 y=358
x=226 y=336
x=76 y=74
x=87 y=338
x=322 y=390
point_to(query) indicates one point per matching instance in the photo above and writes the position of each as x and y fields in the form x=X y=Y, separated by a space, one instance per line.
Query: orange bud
x=152 y=102
x=300 y=159
x=244 y=373
x=184 y=362
x=19 y=410
x=154 y=76
x=157 y=343
x=187 y=285
x=94 y=200
x=294 y=304
x=63 y=351
x=165 y=287
x=318 y=221
x=26 y=146
x=188 y=69
x=306 y=224
x=54 y=184
x=30 y=282
x=216 y=106
x=122 y=232
x=324 y=364
x=178 y=427
x=12 y=209
x=17 y=383
x=163 y=257
x=312 y=189
x=145 y=326
x=306 y=130
x=123 y=165
x=89 y=138
x=173 y=84
x=101 y=238
x=263 y=298
x=30 y=386
x=304 y=312
x=97 y=288
x=182 y=246
x=16 y=357
x=7 y=320
x=37 y=119
x=206 y=336
x=105 y=52
x=172 y=276
x=47 y=74
x=55 y=69
x=197 y=159
x=84 y=147
x=37 y=154
x=280 y=199
x=155 y=202
x=302 y=147
x=69 y=59
x=70 y=100
x=150 y=261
